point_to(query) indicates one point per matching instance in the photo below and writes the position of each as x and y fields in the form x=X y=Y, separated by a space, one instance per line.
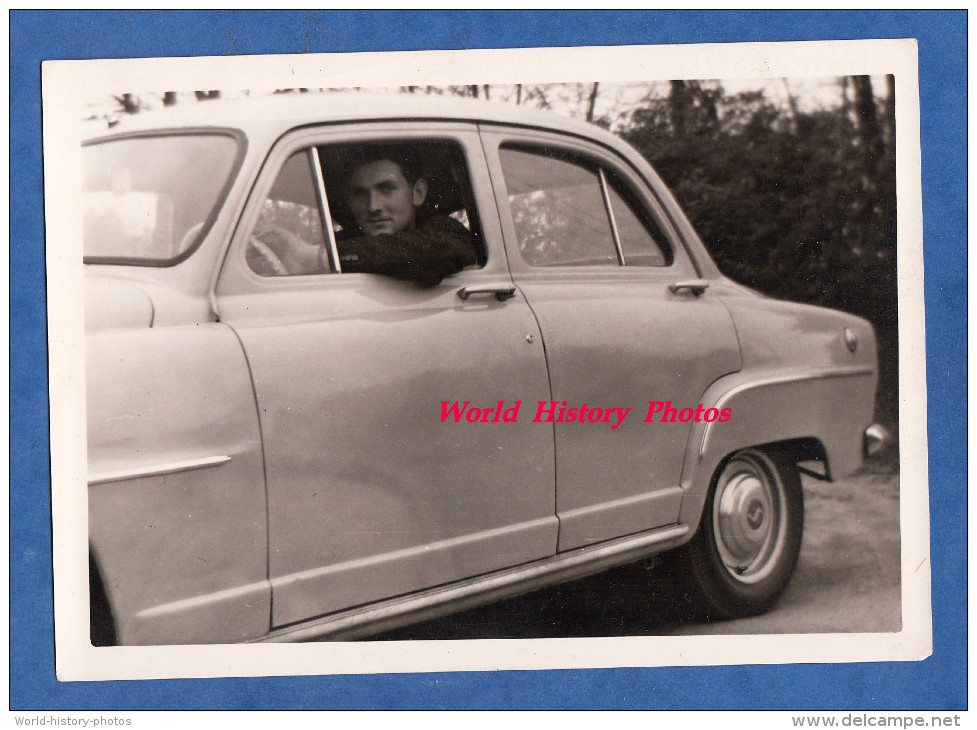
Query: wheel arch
x=818 y=414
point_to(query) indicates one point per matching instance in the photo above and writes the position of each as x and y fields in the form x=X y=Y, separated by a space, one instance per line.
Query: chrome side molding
x=434 y=602
x=813 y=374
x=155 y=470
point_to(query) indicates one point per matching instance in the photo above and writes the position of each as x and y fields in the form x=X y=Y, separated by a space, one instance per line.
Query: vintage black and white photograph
x=421 y=361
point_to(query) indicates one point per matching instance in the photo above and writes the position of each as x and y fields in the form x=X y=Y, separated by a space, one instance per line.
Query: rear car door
x=372 y=491
x=597 y=258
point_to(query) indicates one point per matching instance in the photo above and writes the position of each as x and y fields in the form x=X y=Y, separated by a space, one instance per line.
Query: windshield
x=150 y=200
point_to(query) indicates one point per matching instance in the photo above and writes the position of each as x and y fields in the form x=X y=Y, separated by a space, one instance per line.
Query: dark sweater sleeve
x=438 y=247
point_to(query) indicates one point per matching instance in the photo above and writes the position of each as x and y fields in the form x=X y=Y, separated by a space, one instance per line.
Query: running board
x=434 y=602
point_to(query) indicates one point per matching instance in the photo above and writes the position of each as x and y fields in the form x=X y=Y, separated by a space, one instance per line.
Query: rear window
x=151 y=200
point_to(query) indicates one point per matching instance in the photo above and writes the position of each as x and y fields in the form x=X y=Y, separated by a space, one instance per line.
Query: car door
x=597 y=259
x=374 y=488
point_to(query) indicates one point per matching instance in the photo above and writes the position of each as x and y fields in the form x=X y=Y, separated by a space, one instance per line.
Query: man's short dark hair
x=402 y=155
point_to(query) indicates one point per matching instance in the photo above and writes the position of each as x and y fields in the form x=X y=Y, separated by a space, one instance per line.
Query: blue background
x=936 y=683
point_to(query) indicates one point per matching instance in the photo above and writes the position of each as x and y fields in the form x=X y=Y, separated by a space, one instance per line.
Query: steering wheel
x=268 y=263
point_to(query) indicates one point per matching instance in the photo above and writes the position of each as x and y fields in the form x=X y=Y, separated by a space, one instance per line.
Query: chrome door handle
x=499 y=291
x=696 y=286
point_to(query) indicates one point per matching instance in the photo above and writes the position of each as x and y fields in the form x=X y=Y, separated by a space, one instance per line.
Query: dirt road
x=847 y=580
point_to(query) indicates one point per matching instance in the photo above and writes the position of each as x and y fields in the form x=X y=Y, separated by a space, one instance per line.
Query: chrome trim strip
x=359 y=622
x=823 y=374
x=320 y=189
x=399 y=555
x=610 y=216
x=208 y=599
x=623 y=503
x=155 y=470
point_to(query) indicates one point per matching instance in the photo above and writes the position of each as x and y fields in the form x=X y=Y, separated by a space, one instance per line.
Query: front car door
x=372 y=491
x=595 y=255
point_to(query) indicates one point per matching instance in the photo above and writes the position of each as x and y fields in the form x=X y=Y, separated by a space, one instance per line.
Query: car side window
x=568 y=211
x=557 y=208
x=289 y=217
x=360 y=207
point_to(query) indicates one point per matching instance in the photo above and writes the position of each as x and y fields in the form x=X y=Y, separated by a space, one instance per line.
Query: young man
x=384 y=190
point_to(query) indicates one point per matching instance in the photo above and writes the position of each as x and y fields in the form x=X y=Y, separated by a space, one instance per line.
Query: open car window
x=308 y=209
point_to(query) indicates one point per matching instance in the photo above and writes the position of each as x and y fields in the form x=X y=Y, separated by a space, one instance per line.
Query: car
x=278 y=455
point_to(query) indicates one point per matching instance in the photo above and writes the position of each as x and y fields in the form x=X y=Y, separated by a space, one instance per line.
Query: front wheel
x=749 y=537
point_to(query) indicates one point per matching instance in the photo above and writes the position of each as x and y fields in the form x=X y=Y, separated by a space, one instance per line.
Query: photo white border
x=65 y=86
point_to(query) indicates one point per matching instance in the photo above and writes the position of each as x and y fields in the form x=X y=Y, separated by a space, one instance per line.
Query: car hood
x=116 y=304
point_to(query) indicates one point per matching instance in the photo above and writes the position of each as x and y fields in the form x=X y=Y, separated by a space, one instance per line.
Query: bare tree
x=592 y=102
x=866 y=114
x=845 y=99
x=679 y=101
x=130 y=103
x=792 y=103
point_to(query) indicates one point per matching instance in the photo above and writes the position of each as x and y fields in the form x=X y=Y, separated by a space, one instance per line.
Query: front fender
x=177 y=516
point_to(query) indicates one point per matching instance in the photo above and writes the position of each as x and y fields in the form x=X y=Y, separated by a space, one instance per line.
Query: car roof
x=277 y=113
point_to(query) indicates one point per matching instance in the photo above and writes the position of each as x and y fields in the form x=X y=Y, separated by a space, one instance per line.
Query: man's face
x=381 y=198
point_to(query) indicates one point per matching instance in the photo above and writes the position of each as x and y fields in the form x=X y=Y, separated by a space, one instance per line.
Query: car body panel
x=192 y=537
x=616 y=344
x=617 y=337
x=116 y=304
x=350 y=373
x=799 y=381
x=357 y=455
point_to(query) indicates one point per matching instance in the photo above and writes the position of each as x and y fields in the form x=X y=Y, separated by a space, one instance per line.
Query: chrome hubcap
x=748 y=517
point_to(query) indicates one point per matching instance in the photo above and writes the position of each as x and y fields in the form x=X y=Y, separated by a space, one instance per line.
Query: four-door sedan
x=282 y=452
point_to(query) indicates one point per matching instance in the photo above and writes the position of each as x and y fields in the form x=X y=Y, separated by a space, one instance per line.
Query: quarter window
x=568 y=211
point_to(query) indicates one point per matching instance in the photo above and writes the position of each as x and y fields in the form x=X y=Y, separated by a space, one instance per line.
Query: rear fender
x=831 y=405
